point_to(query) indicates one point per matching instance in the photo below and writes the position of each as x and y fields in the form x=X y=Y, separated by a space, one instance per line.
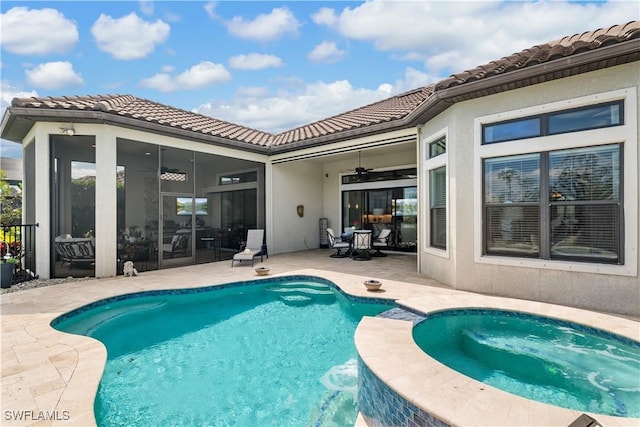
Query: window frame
x=429 y=164
x=543 y=119
x=625 y=134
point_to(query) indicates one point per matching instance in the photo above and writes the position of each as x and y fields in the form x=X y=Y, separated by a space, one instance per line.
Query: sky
x=269 y=65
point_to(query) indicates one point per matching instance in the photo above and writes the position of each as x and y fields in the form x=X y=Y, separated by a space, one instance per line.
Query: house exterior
x=516 y=178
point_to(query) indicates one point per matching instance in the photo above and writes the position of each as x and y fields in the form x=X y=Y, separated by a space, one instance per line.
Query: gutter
x=92 y=116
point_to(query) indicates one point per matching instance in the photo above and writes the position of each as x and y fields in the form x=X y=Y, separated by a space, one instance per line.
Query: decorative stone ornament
x=262 y=271
x=372 y=285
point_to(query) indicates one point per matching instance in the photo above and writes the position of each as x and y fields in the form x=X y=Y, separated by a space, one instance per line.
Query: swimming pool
x=276 y=351
x=551 y=361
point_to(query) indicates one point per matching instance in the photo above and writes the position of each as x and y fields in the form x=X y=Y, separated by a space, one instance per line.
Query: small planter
x=262 y=271
x=372 y=285
x=6 y=274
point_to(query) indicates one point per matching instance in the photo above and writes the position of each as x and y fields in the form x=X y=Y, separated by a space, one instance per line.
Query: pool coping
x=387 y=348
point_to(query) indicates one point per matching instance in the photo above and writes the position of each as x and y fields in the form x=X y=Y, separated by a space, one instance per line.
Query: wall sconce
x=300 y=210
x=68 y=130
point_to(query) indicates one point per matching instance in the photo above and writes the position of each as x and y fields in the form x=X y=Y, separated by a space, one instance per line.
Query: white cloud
x=128 y=37
x=210 y=8
x=265 y=27
x=326 y=52
x=200 y=75
x=287 y=109
x=147 y=7
x=37 y=31
x=325 y=16
x=297 y=103
x=254 y=61
x=54 y=75
x=7 y=93
x=454 y=36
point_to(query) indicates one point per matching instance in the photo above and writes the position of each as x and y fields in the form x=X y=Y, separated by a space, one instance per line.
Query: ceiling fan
x=360 y=170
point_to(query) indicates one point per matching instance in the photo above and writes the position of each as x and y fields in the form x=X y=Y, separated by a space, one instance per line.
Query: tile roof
x=391 y=111
x=387 y=110
x=149 y=111
x=557 y=49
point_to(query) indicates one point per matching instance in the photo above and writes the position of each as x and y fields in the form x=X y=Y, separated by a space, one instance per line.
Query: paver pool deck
x=51 y=378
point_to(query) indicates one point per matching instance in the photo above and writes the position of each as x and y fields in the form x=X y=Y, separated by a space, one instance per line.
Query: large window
x=563 y=204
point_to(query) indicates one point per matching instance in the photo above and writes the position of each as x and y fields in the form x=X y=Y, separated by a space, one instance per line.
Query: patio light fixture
x=68 y=130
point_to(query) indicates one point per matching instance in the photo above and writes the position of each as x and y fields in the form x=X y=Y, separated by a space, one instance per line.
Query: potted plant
x=7 y=268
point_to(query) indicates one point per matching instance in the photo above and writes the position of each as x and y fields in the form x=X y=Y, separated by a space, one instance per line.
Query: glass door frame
x=364 y=187
x=161 y=230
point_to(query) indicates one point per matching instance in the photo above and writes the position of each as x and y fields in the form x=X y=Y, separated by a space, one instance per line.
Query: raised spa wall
x=381 y=406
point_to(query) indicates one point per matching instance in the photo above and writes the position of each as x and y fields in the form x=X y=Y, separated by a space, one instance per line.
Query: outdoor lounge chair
x=382 y=241
x=79 y=250
x=337 y=244
x=252 y=248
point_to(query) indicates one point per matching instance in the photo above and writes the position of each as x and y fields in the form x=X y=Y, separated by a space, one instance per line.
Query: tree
x=10 y=201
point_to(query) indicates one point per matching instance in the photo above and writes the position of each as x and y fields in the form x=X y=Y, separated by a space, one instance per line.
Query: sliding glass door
x=177 y=229
x=377 y=209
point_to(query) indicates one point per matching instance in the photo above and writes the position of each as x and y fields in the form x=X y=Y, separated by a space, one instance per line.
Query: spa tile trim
x=381 y=406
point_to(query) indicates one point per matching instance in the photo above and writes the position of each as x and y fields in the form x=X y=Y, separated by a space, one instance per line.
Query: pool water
x=274 y=353
x=554 y=362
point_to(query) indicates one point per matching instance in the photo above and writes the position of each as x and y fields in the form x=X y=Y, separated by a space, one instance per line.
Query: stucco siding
x=296 y=183
x=619 y=293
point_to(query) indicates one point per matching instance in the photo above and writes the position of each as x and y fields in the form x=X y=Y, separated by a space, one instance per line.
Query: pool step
x=310 y=289
x=298 y=300
x=303 y=293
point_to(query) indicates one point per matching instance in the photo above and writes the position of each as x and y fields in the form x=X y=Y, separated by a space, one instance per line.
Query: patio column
x=106 y=203
x=42 y=200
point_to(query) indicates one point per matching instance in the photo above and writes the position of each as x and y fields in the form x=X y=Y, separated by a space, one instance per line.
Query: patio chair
x=338 y=245
x=179 y=245
x=380 y=242
x=361 y=245
x=252 y=248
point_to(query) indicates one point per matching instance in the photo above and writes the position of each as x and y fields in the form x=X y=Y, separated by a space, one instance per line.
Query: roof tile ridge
x=109 y=103
x=590 y=36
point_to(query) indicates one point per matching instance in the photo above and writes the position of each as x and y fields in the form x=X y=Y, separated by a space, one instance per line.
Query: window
x=437 y=147
x=561 y=204
x=585 y=215
x=390 y=175
x=516 y=129
x=238 y=178
x=436 y=183
x=565 y=121
x=438 y=207
x=512 y=198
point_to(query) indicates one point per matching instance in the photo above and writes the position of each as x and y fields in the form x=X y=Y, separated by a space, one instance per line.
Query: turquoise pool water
x=275 y=353
x=550 y=361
